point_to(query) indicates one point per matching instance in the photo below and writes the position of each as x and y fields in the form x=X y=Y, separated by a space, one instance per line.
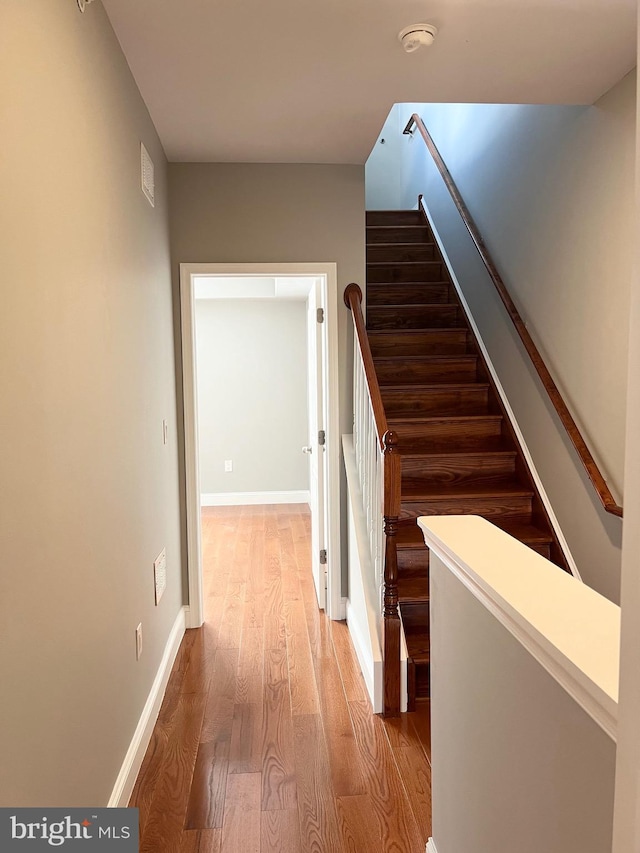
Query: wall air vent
x=146 y=171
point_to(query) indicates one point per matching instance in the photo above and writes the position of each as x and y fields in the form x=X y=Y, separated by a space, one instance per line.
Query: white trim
x=253 y=498
x=591 y=696
x=431 y=846
x=404 y=668
x=363 y=626
x=505 y=402
x=329 y=274
x=192 y=475
x=371 y=667
x=140 y=741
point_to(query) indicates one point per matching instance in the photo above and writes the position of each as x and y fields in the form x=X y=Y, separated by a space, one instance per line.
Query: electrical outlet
x=139 y=641
x=228 y=466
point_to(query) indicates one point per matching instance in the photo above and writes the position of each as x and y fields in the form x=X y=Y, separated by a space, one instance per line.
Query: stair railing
x=379 y=473
x=595 y=475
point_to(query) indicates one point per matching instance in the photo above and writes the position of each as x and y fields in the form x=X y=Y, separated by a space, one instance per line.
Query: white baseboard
x=133 y=759
x=370 y=664
x=431 y=846
x=254 y=498
x=341 y=613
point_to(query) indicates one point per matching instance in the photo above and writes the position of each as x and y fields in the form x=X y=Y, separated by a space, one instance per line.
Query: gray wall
x=89 y=492
x=252 y=394
x=551 y=189
x=517 y=765
x=254 y=213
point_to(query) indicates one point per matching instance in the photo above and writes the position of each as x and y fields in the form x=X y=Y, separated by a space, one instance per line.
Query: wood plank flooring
x=266 y=742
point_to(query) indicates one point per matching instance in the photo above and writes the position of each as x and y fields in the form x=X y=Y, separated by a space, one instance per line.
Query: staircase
x=459 y=452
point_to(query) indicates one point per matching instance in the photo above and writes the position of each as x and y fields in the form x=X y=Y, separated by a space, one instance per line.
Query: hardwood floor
x=265 y=742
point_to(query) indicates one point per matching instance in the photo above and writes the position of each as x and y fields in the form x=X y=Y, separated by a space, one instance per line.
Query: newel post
x=392 y=473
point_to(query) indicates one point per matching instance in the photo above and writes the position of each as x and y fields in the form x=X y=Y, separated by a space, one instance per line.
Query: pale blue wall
x=552 y=191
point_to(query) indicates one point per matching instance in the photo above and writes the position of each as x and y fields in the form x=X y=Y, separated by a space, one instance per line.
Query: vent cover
x=146 y=170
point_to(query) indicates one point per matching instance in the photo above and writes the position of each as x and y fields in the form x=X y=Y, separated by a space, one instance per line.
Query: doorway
x=316 y=284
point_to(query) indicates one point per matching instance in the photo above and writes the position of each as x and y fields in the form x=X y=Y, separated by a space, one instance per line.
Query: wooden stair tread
x=414 y=332
x=430 y=359
x=410 y=535
x=439 y=387
x=461 y=454
x=397 y=242
x=417 y=491
x=524 y=531
x=413 y=305
x=401 y=263
x=408 y=420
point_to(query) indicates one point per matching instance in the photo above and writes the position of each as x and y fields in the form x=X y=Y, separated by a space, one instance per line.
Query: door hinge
x=323 y=557
x=322 y=438
x=320 y=315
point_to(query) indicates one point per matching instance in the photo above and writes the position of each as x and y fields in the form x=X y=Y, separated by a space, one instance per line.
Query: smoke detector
x=416 y=36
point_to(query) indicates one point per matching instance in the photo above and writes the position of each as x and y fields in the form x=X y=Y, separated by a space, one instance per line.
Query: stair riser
x=440 y=342
x=412 y=559
x=413 y=234
x=418 y=317
x=454 y=470
x=543 y=549
x=394 y=217
x=393 y=253
x=422 y=681
x=413 y=588
x=435 y=402
x=488 y=507
x=415 y=618
x=404 y=372
x=408 y=294
x=440 y=430
x=416 y=561
x=383 y=273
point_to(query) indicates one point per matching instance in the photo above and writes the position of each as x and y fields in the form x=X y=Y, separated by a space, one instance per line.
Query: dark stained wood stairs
x=459 y=452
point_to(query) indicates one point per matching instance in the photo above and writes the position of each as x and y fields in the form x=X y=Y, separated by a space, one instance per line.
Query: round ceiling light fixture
x=416 y=36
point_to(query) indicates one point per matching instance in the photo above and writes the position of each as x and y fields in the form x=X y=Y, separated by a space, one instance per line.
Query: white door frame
x=335 y=601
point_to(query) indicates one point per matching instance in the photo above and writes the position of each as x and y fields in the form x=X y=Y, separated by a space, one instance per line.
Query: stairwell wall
x=275 y=213
x=551 y=189
x=89 y=492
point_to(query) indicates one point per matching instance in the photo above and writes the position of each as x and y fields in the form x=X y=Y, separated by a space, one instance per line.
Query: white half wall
x=524 y=666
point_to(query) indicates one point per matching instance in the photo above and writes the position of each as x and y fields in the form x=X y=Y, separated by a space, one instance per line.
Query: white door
x=316 y=446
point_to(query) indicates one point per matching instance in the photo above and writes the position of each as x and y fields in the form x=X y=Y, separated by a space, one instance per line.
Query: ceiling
x=295 y=81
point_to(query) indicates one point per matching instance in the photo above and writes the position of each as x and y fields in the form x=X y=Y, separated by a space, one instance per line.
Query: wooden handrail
x=353 y=301
x=604 y=493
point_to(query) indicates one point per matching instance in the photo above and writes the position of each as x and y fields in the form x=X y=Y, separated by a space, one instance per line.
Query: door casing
x=326 y=273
